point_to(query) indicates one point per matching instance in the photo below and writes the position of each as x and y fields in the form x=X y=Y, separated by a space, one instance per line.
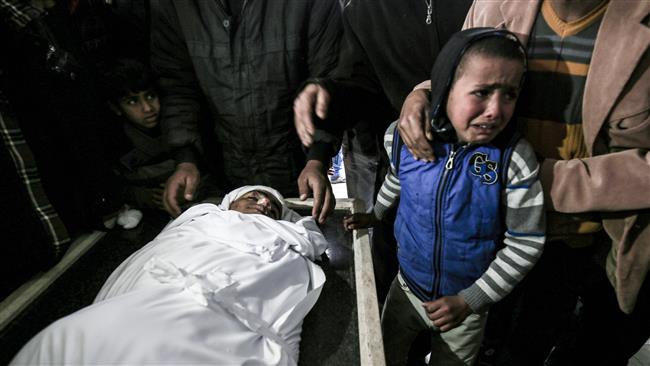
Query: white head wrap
x=287 y=213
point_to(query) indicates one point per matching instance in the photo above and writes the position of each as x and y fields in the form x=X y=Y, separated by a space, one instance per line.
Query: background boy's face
x=258 y=202
x=140 y=108
x=482 y=100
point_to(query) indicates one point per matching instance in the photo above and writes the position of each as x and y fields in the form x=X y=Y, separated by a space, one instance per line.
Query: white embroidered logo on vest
x=485 y=169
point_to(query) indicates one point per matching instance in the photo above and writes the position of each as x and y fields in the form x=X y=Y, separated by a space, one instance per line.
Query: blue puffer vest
x=449 y=219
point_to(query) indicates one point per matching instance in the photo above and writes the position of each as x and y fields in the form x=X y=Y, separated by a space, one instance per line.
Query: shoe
x=336 y=179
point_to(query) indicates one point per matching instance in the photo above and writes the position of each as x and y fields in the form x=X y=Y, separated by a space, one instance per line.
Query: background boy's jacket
x=147 y=160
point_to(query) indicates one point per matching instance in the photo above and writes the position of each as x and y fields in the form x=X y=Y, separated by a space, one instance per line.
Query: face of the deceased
x=258 y=202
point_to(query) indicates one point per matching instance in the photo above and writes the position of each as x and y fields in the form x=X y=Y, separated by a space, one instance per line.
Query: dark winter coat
x=248 y=68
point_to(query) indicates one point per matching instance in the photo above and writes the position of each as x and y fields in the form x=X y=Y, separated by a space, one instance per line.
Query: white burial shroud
x=214 y=287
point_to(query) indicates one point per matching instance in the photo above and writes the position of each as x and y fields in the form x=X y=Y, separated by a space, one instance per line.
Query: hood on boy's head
x=444 y=69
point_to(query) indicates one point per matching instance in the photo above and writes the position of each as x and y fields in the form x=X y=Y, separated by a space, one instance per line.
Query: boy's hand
x=359 y=221
x=157 y=197
x=183 y=182
x=447 y=312
x=151 y=198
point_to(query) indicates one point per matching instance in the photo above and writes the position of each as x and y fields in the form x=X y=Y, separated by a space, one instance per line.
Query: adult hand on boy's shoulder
x=414 y=125
x=447 y=312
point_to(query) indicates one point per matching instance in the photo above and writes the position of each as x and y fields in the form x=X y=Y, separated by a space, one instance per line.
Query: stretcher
x=343 y=328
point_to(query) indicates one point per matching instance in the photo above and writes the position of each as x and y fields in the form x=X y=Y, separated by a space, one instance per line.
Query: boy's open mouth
x=485 y=126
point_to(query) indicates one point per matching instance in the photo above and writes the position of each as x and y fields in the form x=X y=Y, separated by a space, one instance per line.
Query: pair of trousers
x=366 y=164
x=403 y=319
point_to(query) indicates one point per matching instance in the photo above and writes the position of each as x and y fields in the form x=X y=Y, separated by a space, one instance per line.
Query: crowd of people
x=500 y=147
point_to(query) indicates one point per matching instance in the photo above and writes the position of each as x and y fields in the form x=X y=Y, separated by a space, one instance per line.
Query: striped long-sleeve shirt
x=524 y=221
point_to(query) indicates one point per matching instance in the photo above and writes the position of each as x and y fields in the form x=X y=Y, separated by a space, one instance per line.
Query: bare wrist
x=315 y=164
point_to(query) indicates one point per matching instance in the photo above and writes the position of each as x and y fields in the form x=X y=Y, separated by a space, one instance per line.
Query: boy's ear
x=115 y=108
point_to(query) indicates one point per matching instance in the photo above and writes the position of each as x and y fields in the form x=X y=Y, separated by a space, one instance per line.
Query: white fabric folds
x=214 y=287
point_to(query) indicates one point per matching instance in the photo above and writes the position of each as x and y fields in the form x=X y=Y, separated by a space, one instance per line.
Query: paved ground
x=340 y=191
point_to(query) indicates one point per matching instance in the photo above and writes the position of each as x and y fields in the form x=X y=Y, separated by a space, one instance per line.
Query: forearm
x=322 y=151
x=348 y=105
x=509 y=267
x=185 y=154
x=325 y=31
x=388 y=196
x=609 y=183
x=357 y=92
x=177 y=81
x=389 y=192
x=355 y=100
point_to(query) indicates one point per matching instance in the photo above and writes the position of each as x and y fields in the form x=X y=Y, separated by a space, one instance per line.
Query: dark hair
x=497 y=47
x=125 y=76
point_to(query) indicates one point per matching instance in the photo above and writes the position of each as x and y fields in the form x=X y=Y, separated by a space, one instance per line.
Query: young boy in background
x=144 y=163
x=455 y=213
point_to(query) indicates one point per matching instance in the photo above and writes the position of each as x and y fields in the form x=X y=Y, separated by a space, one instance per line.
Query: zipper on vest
x=452 y=155
x=450 y=160
x=437 y=221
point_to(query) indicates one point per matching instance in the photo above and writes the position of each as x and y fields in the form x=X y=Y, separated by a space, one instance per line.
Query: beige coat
x=615 y=116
